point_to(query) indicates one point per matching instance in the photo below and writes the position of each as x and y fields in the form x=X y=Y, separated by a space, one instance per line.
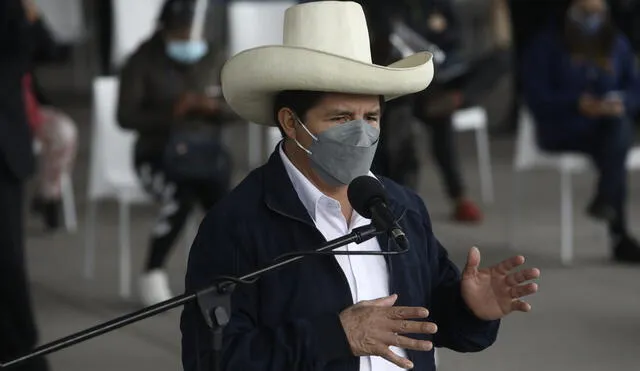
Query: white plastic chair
x=475 y=118
x=68 y=196
x=528 y=157
x=133 y=22
x=111 y=176
x=253 y=24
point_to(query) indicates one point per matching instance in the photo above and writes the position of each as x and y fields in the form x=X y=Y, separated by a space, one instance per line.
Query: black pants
x=18 y=333
x=398 y=162
x=608 y=144
x=177 y=201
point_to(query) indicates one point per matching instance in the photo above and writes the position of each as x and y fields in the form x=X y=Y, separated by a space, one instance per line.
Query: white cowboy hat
x=326 y=48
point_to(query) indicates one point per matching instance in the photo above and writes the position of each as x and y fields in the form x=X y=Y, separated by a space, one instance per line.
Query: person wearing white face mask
x=333 y=313
x=169 y=95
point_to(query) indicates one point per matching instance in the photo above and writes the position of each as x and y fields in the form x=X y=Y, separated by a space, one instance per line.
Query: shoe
x=601 y=211
x=49 y=210
x=626 y=250
x=154 y=287
x=467 y=212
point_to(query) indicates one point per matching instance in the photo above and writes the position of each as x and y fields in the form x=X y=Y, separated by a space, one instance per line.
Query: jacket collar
x=281 y=197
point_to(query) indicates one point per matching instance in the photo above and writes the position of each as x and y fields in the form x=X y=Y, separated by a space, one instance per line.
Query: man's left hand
x=492 y=293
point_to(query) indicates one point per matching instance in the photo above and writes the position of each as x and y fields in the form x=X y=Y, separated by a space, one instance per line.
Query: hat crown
x=334 y=27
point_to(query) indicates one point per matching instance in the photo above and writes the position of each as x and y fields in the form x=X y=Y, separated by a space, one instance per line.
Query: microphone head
x=363 y=192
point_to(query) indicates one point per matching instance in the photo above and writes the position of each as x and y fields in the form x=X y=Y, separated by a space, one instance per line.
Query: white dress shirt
x=367 y=276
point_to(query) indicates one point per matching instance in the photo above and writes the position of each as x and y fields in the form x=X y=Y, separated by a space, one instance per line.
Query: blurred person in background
x=458 y=83
x=626 y=14
x=169 y=95
x=582 y=85
x=18 y=332
x=54 y=131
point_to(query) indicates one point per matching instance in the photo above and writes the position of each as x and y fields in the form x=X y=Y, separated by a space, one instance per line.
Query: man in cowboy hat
x=345 y=312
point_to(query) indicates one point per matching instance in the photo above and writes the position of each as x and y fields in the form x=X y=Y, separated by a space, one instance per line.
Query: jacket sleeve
x=45 y=47
x=630 y=77
x=15 y=40
x=541 y=94
x=458 y=328
x=132 y=113
x=301 y=344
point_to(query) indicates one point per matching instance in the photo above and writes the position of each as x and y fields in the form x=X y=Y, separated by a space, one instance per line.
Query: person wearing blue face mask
x=170 y=96
x=582 y=85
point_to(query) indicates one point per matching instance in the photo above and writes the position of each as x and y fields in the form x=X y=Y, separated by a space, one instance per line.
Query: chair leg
x=69 y=204
x=484 y=165
x=90 y=239
x=125 y=250
x=514 y=214
x=190 y=231
x=566 y=210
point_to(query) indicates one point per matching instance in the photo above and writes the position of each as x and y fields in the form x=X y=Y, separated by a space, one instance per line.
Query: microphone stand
x=214 y=302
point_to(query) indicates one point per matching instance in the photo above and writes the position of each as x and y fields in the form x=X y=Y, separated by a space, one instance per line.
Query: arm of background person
x=132 y=113
x=299 y=344
x=15 y=27
x=458 y=328
x=630 y=76
x=15 y=41
x=540 y=93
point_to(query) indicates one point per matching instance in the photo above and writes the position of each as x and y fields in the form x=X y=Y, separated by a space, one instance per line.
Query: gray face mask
x=344 y=152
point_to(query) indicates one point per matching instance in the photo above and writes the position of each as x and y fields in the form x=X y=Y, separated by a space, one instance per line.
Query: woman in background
x=582 y=85
x=172 y=83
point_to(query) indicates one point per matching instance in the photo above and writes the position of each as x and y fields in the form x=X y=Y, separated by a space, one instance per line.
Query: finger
x=401 y=362
x=473 y=261
x=407 y=313
x=508 y=265
x=523 y=290
x=520 y=306
x=408 y=343
x=386 y=301
x=522 y=276
x=413 y=327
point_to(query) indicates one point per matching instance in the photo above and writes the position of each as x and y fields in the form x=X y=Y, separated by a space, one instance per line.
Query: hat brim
x=252 y=78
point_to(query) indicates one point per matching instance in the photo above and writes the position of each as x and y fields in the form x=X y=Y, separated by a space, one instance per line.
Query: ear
x=287 y=121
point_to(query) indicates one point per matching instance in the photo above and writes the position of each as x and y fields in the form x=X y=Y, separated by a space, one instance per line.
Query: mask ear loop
x=305 y=129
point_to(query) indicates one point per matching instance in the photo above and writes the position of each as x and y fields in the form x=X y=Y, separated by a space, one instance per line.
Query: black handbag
x=197 y=155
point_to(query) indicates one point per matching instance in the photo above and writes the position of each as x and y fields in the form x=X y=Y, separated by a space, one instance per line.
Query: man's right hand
x=375 y=325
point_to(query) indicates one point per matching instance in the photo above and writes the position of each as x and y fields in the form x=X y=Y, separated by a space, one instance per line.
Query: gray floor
x=585 y=318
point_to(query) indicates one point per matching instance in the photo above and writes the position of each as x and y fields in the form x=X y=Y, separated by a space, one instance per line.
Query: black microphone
x=369 y=199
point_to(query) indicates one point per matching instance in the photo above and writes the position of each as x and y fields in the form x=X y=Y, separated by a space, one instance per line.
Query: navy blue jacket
x=553 y=83
x=289 y=319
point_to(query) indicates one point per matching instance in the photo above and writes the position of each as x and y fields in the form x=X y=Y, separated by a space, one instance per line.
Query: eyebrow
x=344 y=112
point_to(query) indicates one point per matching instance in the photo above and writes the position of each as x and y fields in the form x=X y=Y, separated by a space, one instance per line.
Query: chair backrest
x=111 y=168
x=253 y=24
x=528 y=155
x=66 y=19
x=633 y=159
x=134 y=21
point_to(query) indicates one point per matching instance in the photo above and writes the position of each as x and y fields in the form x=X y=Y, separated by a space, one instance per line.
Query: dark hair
x=176 y=14
x=300 y=102
x=596 y=48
